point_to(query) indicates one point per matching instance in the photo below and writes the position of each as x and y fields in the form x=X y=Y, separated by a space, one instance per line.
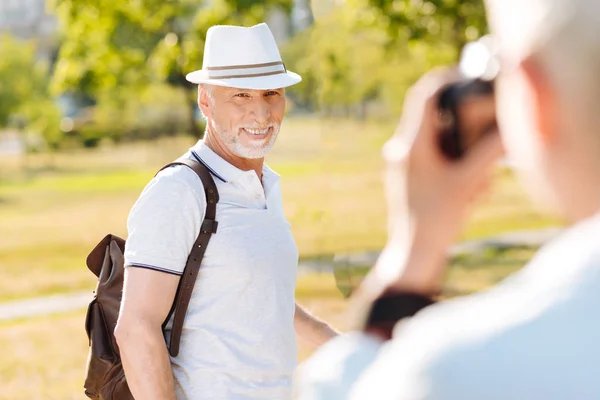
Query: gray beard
x=253 y=152
x=244 y=151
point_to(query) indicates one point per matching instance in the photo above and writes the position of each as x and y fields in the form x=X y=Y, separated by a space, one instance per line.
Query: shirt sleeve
x=331 y=371
x=165 y=221
x=446 y=352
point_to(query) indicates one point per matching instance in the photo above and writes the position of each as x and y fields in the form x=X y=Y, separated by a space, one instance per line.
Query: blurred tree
x=25 y=102
x=296 y=55
x=346 y=68
x=458 y=21
x=113 y=46
x=339 y=63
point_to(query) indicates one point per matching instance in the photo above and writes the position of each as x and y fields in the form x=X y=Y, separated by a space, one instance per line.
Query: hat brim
x=278 y=81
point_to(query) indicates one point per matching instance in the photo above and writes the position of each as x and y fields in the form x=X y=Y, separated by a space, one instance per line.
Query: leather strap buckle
x=209 y=225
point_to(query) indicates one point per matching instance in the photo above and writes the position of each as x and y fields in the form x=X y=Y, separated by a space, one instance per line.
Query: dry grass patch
x=46 y=356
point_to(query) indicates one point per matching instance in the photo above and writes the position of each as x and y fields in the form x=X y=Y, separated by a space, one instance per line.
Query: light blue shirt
x=535 y=336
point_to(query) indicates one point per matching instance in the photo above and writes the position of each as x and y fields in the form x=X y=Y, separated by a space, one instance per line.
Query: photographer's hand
x=427 y=195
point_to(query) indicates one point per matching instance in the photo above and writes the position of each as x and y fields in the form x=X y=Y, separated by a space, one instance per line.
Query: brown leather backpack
x=105 y=378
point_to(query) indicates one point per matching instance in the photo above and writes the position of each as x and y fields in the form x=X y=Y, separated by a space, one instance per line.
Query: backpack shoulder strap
x=190 y=273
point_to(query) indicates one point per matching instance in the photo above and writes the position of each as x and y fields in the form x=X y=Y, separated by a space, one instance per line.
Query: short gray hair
x=572 y=55
x=562 y=35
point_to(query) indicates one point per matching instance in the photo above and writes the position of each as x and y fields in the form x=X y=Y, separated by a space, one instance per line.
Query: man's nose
x=261 y=111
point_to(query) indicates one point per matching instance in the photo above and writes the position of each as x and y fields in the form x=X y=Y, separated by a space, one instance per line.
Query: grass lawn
x=54 y=208
x=46 y=356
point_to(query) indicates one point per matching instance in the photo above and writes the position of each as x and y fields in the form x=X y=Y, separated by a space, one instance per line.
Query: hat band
x=246 y=71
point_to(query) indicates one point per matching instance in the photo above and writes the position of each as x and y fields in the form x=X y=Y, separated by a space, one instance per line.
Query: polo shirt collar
x=222 y=169
x=269 y=178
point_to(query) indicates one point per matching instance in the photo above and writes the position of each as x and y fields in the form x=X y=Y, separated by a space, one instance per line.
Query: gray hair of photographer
x=534 y=335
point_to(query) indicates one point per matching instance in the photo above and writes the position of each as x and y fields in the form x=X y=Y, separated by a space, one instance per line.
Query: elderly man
x=238 y=339
x=534 y=336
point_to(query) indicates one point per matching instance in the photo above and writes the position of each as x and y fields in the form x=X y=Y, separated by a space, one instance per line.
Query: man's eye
x=242 y=95
x=272 y=93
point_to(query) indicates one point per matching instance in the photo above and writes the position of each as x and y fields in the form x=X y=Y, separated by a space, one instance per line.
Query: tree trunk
x=362 y=110
x=190 y=92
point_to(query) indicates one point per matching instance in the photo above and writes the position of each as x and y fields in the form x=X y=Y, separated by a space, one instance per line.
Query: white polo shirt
x=238 y=339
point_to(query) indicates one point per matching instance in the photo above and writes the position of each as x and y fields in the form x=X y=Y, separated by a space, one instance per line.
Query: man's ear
x=544 y=98
x=204 y=101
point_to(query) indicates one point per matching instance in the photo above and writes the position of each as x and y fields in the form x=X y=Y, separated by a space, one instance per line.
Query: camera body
x=454 y=139
x=467 y=107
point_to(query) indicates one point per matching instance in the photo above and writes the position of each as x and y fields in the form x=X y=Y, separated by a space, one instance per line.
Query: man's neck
x=245 y=164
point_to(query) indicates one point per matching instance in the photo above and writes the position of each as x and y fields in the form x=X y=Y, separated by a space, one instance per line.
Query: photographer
x=534 y=336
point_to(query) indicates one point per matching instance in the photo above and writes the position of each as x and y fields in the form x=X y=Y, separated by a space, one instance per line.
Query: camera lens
x=478 y=60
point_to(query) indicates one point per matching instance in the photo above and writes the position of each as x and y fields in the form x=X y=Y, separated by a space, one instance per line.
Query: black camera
x=467 y=108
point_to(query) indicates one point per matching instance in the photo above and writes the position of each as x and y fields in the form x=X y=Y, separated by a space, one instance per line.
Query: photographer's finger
x=432 y=125
x=481 y=158
x=420 y=120
x=432 y=88
x=429 y=85
x=438 y=77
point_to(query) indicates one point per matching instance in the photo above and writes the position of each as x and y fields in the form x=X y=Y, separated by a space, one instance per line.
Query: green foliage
x=44 y=119
x=336 y=61
x=119 y=39
x=153 y=111
x=346 y=63
x=458 y=20
x=24 y=100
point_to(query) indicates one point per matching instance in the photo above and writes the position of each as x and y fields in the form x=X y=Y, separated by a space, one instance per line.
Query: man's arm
x=428 y=197
x=147 y=299
x=311 y=330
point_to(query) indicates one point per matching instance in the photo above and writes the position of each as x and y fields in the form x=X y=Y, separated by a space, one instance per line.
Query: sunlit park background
x=93 y=101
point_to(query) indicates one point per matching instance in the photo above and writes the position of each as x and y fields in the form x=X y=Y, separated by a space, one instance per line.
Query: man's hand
x=427 y=195
x=310 y=329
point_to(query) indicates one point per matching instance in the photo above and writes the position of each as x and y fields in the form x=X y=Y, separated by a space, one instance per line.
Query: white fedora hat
x=246 y=58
